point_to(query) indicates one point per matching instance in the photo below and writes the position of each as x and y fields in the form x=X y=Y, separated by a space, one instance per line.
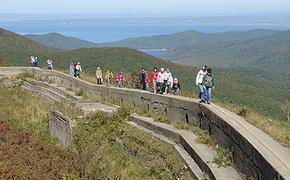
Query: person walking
x=71 y=70
x=153 y=78
x=142 y=79
x=175 y=87
x=31 y=60
x=198 y=81
x=160 y=81
x=49 y=64
x=209 y=84
x=168 y=79
x=120 y=79
x=108 y=77
x=35 y=62
x=78 y=70
x=99 y=75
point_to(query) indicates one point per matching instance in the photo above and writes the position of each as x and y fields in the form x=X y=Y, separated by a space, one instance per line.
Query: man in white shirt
x=168 y=80
x=198 y=81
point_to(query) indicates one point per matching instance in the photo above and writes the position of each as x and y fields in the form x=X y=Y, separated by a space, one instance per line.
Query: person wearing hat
x=99 y=75
x=198 y=81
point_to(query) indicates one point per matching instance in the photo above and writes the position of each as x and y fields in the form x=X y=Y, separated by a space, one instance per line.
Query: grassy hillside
x=55 y=40
x=264 y=95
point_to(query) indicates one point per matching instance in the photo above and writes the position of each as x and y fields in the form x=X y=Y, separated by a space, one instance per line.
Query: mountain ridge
x=187 y=37
x=59 y=41
x=261 y=48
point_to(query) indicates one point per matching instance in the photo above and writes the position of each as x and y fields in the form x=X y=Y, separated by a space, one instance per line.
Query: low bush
x=161 y=116
x=224 y=157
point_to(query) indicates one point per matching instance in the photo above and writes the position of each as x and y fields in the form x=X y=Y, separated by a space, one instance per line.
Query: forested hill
x=259 y=48
x=15 y=49
x=260 y=93
x=187 y=38
x=59 y=41
x=267 y=52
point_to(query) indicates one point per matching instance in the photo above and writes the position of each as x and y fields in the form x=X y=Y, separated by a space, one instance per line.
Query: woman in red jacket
x=153 y=78
x=120 y=79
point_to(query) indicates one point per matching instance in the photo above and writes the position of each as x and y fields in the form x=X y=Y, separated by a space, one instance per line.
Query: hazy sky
x=194 y=7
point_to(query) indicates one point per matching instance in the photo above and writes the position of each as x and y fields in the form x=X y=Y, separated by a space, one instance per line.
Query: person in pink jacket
x=160 y=81
x=99 y=75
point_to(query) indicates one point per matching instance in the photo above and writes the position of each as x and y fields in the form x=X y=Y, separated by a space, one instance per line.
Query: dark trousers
x=143 y=85
x=99 y=81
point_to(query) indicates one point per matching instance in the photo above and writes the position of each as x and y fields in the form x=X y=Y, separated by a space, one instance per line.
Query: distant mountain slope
x=256 y=48
x=268 y=52
x=187 y=38
x=59 y=41
x=15 y=49
x=264 y=95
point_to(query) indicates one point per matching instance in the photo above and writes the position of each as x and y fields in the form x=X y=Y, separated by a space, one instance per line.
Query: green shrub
x=181 y=125
x=143 y=111
x=24 y=75
x=206 y=177
x=161 y=116
x=68 y=109
x=243 y=112
x=80 y=92
x=203 y=137
x=224 y=157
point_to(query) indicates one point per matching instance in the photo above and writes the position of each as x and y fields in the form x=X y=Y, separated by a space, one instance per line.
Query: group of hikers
x=120 y=77
x=161 y=82
x=33 y=61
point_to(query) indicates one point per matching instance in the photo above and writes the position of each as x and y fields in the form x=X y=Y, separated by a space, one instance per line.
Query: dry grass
x=87 y=77
x=278 y=129
x=25 y=111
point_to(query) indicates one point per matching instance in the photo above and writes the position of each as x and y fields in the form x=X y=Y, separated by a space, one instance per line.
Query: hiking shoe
x=208 y=102
x=202 y=101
